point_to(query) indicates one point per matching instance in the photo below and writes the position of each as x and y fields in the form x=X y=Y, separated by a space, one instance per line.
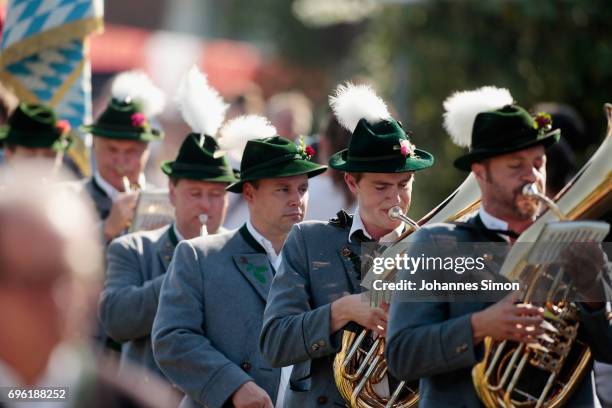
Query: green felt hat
x=506 y=130
x=124 y=120
x=196 y=161
x=382 y=147
x=274 y=157
x=36 y=126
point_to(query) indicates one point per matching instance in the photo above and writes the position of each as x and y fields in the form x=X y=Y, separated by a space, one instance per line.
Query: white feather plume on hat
x=237 y=132
x=461 y=109
x=352 y=103
x=200 y=104
x=137 y=86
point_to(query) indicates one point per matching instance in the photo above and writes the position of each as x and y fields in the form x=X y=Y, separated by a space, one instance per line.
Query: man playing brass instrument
x=440 y=342
x=316 y=292
x=137 y=262
x=121 y=137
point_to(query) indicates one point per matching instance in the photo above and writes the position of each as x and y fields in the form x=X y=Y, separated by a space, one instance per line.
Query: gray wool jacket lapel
x=209 y=318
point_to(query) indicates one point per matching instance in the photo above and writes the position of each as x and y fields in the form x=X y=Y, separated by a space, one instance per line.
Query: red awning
x=230 y=65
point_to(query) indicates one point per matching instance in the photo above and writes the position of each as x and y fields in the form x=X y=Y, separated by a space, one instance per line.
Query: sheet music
x=153 y=210
x=558 y=235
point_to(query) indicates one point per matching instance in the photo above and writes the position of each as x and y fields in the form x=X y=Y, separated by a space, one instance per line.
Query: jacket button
x=462 y=348
x=314 y=347
x=246 y=366
x=321 y=400
x=345 y=252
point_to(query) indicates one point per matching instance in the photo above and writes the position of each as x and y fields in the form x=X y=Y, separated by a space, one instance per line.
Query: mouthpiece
x=126 y=184
x=395 y=212
x=530 y=190
x=203 y=219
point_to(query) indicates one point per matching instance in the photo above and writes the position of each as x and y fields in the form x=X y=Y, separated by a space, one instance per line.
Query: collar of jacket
x=246 y=235
x=475 y=224
x=342 y=220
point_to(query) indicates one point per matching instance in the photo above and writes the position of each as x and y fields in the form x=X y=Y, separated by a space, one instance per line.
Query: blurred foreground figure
x=49 y=279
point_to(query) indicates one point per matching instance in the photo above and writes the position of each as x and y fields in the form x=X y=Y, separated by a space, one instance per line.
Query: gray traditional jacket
x=319 y=266
x=136 y=265
x=210 y=315
x=432 y=341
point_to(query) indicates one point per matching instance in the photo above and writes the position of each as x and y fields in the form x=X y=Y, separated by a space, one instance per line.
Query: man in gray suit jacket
x=316 y=293
x=137 y=262
x=121 y=137
x=440 y=342
x=212 y=299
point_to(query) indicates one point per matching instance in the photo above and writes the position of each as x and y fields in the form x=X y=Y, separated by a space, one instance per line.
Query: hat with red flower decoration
x=489 y=124
x=264 y=154
x=378 y=144
x=135 y=101
x=36 y=126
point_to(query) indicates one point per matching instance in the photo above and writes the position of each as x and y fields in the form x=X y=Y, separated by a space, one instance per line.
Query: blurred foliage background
x=418 y=52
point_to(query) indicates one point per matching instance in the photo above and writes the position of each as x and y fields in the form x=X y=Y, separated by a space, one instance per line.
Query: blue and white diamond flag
x=44 y=56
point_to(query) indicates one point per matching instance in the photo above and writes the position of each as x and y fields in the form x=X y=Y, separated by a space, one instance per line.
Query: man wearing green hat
x=317 y=290
x=33 y=131
x=121 y=136
x=137 y=262
x=440 y=342
x=212 y=300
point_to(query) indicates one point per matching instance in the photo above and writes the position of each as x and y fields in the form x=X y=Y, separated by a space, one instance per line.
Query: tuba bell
x=360 y=368
x=546 y=373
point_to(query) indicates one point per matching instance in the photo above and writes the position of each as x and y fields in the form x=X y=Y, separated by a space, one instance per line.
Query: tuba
x=360 y=368
x=546 y=373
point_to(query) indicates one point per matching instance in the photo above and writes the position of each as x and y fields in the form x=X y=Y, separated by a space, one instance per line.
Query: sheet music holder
x=153 y=210
x=558 y=235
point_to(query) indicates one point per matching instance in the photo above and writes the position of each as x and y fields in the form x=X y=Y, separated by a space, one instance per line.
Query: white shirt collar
x=275 y=259
x=179 y=236
x=358 y=225
x=111 y=191
x=492 y=222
